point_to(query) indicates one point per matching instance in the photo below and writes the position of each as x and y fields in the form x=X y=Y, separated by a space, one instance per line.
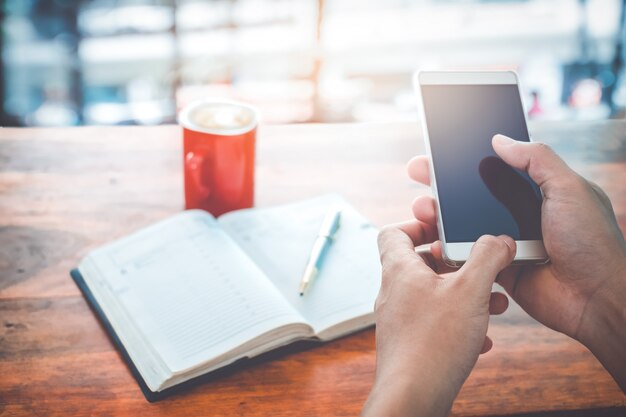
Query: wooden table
x=65 y=191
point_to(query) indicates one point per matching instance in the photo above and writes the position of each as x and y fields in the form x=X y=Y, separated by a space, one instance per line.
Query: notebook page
x=190 y=290
x=279 y=240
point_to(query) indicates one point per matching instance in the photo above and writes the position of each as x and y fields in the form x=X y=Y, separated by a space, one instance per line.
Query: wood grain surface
x=64 y=192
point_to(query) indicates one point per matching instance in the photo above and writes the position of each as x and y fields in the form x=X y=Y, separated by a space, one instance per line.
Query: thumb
x=541 y=163
x=489 y=256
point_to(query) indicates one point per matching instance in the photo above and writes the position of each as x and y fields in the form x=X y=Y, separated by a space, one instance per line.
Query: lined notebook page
x=190 y=290
x=279 y=240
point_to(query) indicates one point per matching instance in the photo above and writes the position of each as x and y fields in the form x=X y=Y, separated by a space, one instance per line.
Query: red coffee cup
x=218 y=155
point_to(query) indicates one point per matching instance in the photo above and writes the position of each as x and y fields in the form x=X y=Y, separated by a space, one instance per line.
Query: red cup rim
x=185 y=121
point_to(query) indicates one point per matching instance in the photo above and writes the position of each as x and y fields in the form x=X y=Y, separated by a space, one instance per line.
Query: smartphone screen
x=477 y=192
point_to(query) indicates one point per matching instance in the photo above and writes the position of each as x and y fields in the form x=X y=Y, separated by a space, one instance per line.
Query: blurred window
x=138 y=61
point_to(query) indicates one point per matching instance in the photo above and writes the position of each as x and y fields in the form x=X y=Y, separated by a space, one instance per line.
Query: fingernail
x=504 y=140
x=508 y=241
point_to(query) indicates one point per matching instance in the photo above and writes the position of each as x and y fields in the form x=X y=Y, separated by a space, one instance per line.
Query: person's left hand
x=431 y=321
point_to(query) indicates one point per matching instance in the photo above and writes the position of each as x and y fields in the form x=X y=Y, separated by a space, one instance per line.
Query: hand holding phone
x=581 y=292
x=431 y=325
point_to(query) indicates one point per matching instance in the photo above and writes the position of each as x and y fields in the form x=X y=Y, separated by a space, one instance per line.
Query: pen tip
x=301 y=294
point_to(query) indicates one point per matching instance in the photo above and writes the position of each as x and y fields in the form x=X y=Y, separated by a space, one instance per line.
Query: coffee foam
x=223 y=117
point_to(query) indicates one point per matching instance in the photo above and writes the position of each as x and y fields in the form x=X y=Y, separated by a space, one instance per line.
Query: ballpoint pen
x=330 y=225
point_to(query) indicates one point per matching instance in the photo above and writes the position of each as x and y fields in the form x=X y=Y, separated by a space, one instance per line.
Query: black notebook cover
x=149 y=394
x=152 y=396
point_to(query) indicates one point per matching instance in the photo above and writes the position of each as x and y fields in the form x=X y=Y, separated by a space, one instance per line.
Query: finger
x=541 y=163
x=521 y=283
x=424 y=209
x=419 y=169
x=436 y=248
x=397 y=242
x=419 y=232
x=487 y=345
x=436 y=253
x=498 y=303
x=508 y=277
x=432 y=256
x=489 y=256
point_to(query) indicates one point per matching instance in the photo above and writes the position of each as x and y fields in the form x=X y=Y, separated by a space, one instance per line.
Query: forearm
x=605 y=329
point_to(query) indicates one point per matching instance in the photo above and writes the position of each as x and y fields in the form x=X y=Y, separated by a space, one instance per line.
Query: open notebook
x=192 y=293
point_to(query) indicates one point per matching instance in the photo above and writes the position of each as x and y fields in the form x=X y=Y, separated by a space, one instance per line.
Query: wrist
x=602 y=328
x=410 y=394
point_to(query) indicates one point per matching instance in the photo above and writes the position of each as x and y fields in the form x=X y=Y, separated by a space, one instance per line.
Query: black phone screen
x=477 y=192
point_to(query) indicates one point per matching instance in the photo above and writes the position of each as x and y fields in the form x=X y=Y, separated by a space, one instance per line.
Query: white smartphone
x=476 y=192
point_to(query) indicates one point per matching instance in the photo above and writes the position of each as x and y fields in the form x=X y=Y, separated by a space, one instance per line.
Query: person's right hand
x=582 y=291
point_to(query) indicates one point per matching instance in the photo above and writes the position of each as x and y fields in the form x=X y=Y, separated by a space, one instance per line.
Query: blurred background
x=113 y=62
